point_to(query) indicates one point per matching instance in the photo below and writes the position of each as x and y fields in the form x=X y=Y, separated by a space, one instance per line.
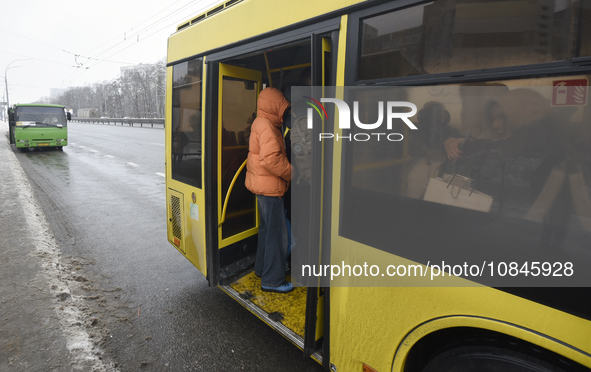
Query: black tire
x=487 y=359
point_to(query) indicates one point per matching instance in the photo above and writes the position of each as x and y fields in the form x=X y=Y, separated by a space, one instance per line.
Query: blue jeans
x=272 y=243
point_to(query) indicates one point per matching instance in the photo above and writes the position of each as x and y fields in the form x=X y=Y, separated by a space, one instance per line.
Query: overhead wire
x=53 y=46
x=145 y=29
x=74 y=67
x=38 y=59
x=139 y=24
x=71 y=73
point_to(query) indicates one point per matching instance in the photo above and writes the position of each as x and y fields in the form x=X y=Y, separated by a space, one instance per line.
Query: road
x=144 y=306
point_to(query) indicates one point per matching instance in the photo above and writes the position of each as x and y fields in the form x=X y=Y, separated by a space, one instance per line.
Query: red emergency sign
x=570 y=92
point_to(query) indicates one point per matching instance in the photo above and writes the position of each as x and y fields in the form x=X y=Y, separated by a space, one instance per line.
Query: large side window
x=449 y=35
x=186 y=122
x=522 y=183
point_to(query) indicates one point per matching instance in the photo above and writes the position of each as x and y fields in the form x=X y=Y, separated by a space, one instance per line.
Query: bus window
x=40 y=115
x=239 y=99
x=445 y=36
x=522 y=173
x=186 y=122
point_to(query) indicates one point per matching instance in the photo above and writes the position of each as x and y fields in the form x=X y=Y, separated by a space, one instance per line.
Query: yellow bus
x=504 y=82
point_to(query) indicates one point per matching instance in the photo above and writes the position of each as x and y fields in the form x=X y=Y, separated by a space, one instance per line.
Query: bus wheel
x=487 y=359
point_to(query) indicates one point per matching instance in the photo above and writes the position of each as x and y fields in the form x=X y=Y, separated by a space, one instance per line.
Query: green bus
x=38 y=125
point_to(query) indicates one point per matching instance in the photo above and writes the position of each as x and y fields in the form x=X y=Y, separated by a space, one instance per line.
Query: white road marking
x=159 y=144
x=161 y=174
x=109 y=156
x=93 y=151
x=133 y=164
x=82 y=147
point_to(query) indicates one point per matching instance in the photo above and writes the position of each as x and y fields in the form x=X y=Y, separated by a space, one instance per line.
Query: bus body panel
x=428 y=310
x=188 y=217
x=363 y=312
x=40 y=137
x=378 y=326
x=245 y=24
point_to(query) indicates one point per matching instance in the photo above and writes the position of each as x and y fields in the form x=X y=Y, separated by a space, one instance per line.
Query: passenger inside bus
x=301 y=159
x=516 y=117
x=426 y=147
x=268 y=176
x=50 y=119
x=533 y=144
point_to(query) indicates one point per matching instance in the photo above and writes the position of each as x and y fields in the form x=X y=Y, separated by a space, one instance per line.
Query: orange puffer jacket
x=268 y=171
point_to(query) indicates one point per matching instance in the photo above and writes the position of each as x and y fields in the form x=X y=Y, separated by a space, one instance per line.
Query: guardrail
x=154 y=123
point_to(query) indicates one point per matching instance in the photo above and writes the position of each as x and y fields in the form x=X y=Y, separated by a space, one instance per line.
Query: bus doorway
x=233 y=108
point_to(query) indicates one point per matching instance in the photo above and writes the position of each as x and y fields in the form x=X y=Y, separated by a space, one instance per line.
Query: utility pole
x=6 y=83
x=6 y=77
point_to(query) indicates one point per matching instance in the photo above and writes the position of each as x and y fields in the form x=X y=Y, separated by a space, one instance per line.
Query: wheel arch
x=438 y=335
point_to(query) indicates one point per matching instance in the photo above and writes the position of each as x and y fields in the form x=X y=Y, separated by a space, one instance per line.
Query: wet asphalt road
x=150 y=309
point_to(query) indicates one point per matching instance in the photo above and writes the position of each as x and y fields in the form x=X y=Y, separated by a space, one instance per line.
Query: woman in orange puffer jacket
x=268 y=173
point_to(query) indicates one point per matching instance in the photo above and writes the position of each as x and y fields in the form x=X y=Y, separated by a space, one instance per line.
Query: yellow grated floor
x=291 y=305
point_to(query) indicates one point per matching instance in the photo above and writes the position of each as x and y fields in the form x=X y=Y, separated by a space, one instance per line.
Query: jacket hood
x=271 y=105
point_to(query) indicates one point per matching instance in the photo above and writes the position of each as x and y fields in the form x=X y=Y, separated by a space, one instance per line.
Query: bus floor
x=287 y=308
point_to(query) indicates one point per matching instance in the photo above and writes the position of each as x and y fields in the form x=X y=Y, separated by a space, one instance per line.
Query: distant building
x=88 y=113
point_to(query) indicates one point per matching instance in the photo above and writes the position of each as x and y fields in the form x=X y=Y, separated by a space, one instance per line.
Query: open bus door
x=11 y=124
x=237 y=219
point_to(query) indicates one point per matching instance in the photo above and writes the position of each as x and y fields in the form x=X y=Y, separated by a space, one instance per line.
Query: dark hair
x=433 y=113
x=433 y=123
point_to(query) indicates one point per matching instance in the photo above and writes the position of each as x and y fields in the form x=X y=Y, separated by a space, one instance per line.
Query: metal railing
x=153 y=123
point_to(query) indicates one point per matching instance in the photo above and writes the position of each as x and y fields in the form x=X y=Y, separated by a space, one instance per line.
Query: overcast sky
x=67 y=43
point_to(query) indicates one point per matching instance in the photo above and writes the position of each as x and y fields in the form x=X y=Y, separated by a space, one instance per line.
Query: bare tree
x=138 y=92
